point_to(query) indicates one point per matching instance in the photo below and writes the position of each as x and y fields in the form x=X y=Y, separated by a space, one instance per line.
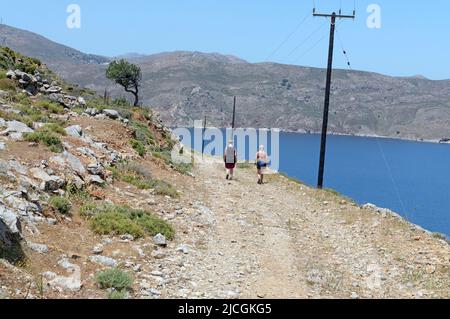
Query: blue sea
x=410 y=178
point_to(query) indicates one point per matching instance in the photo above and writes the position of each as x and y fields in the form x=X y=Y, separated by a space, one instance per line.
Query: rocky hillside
x=186 y=86
x=92 y=206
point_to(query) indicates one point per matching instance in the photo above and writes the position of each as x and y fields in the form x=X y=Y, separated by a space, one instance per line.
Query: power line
x=344 y=51
x=310 y=49
x=313 y=46
x=306 y=39
x=288 y=37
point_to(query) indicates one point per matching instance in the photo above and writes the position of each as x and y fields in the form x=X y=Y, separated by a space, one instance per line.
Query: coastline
x=419 y=140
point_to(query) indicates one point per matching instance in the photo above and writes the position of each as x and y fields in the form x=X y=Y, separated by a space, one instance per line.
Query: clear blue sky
x=413 y=39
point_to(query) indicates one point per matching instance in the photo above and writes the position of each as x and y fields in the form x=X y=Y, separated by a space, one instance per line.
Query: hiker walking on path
x=262 y=161
x=230 y=159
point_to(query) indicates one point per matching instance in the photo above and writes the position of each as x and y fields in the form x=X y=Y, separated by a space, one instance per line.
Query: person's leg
x=228 y=174
x=231 y=173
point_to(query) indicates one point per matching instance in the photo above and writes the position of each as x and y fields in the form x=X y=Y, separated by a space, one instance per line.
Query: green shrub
x=52 y=107
x=54 y=128
x=61 y=204
x=138 y=147
x=142 y=133
x=21 y=98
x=115 y=223
x=48 y=138
x=152 y=225
x=11 y=116
x=108 y=219
x=76 y=193
x=136 y=175
x=90 y=209
x=121 y=102
x=114 y=278
x=33 y=114
x=7 y=85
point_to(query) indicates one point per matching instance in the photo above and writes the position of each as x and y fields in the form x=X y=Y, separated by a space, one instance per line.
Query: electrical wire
x=305 y=40
x=344 y=51
x=288 y=37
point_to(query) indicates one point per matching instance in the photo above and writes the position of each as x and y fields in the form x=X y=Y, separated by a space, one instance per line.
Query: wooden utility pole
x=203 y=137
x=233 y=124
x=323 y=144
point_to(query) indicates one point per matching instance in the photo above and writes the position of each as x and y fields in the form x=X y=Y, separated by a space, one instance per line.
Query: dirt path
x=285 y=240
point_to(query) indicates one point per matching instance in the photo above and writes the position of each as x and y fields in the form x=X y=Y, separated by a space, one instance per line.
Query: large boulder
x=74 y=130
x=10 y=222
x=74 y=163
x=18 y=127
x=112 y=114
x=48 y=183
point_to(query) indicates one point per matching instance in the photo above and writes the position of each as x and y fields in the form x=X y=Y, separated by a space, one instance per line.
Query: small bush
x=12 y=116
x=115 y=223
x=21 y=98
x=46 y=137
x=114 y=278
x=142 y=133
x=54 y=128
x=121 y=101
x=138 y=147
x=61 y=204
x=136 y=175
x=110 y=219
x=33 y=114
x=77 y=194
x=7 y=85
x=50 y=106
x=153 y=225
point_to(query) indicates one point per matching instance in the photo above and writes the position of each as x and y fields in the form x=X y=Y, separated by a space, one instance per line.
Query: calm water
x=410 y=178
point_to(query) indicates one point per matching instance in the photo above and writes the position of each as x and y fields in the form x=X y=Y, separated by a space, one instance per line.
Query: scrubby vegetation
x=119 y=281
x=52 y=107
x=60 y=204
x=135 y=174
x=7 y=85
x=47 y=135
x=108 y=219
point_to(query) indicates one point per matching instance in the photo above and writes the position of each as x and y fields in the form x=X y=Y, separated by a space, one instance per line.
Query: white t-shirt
x=230 y=155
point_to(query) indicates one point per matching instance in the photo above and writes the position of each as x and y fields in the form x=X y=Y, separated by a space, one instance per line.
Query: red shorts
x=230 y=165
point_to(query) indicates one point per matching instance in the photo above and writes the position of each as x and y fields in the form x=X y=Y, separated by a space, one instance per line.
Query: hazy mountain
x=185 y=86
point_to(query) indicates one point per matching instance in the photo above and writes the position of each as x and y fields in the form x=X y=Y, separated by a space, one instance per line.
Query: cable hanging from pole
x=344 y=51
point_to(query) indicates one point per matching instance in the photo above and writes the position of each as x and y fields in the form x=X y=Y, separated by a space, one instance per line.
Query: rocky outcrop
x=33 y=84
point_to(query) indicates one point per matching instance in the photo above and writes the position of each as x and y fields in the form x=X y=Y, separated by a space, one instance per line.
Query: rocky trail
x=285 y=240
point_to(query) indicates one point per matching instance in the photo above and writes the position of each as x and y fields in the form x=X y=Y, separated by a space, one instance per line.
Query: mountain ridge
x=185 y=86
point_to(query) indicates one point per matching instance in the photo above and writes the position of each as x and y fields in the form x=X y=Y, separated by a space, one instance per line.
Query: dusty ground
x=284 y=240
x=278 y=240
